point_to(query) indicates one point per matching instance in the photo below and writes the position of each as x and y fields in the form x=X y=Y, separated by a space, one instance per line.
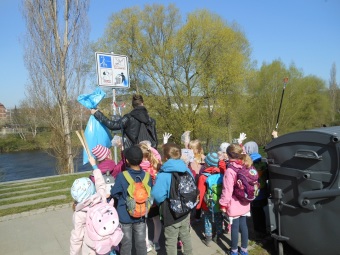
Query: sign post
x=113 y=71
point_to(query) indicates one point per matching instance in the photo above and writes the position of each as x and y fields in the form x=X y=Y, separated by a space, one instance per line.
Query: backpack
x=247 y=185
x=102 y=227
x=214 y=190
x=145 y=133
x=109 y=180
x=183 y=194
x=138 y=201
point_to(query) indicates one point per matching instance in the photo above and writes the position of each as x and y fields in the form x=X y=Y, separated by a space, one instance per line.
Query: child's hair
x=137 y=100
x=134 y=155
x=171 y=151
x=235 y=151
x=147 y=153
x=196 y=147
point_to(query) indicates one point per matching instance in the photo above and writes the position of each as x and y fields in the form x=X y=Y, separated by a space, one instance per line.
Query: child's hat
x=100 y=152
x=82 y=189
x=224 y=146
x=211 y=159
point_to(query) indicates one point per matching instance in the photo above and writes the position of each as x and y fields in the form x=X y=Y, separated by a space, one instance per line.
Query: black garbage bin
x=304 y=205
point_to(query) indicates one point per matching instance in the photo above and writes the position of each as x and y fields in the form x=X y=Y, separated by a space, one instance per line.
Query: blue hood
x=255 y=157
x=161 y=189
x=174 y=165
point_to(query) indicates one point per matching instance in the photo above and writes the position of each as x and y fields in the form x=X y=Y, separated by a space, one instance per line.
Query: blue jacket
x=161 y=189
x=119 y=191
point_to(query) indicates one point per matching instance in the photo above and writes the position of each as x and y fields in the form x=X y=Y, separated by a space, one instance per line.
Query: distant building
x=3 y=112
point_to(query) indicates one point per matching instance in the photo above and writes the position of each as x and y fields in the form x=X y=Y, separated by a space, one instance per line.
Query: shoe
x=207 y=241
x=179 y=245
x=243 y=252
x=149 y=247
x=216 y=238
x=233 y=253
x=156 y=246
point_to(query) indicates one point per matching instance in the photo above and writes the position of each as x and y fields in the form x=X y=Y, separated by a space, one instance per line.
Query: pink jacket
x=233 y=207
x=79 y=244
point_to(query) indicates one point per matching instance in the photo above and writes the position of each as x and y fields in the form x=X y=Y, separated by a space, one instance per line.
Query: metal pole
x=114 y=114
x=285 y=80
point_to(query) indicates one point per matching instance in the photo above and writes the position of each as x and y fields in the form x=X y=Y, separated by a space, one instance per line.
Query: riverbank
x=26 y=195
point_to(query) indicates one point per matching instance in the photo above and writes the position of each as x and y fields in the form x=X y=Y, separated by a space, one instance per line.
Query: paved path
x=47 y=231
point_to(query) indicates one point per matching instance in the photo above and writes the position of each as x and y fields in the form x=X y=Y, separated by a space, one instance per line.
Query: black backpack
x=184 y=195
x=146 y=133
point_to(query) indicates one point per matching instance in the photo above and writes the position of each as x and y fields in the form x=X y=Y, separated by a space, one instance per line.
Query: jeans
x=181 y=230
x=138 y=231
x=239 y=225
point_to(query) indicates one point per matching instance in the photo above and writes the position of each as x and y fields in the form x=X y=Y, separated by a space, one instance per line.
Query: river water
x=32 y=164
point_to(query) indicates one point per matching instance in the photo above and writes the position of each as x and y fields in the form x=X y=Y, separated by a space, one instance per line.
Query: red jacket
x=202 y=186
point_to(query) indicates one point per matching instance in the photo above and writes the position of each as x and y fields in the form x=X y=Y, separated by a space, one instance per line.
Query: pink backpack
x=102 y=227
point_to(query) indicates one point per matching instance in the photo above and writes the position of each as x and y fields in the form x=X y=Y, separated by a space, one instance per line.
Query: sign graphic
x=112 y=70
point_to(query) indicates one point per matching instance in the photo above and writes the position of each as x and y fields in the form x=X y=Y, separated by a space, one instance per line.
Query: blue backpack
x=214 y=189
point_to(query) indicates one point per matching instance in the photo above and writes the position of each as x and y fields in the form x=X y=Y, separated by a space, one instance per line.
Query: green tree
x=304 y=103
x=192 y=72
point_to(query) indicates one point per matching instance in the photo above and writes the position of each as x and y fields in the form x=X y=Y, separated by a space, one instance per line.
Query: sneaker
x=216 y=238
x=156 y=246
x=149 y=247
x=207 y=241
x=233 y=253
x=243 y=252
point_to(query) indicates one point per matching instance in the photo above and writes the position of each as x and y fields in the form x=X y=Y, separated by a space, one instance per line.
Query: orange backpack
x=138 y=201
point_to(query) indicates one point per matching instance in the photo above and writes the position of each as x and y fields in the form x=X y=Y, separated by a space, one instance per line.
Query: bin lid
x=313 y=150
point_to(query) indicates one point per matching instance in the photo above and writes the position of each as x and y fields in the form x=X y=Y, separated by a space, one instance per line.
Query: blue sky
x=303 y=32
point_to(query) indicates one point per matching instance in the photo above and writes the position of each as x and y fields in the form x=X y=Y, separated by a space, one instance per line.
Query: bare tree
x=333 y=91
x=57 y=35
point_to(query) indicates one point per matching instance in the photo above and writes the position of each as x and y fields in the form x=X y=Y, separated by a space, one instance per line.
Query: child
x=257 y=206
x=84 y=193
x=105 y=162
x=197 y=165
x=130 y=225
x=173 y=227
x=210 y=217
x=107 y=166
x=150 y=163
x=229 y=204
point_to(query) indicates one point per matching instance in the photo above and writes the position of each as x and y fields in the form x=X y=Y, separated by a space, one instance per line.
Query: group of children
x=139 y=162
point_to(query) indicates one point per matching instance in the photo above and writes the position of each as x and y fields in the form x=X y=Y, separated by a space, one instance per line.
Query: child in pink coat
x=85 y=194
x=151 y=164
x=229 y=204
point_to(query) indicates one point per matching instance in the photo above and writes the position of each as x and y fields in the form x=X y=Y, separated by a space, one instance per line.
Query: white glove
x=166 y=137
x=242 y=137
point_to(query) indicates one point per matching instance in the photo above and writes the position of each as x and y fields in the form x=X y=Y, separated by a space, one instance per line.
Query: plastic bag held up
x=185 y=138
x=90 y=101
x=95 y=133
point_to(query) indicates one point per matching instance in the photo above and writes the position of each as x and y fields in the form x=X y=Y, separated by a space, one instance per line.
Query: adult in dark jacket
x=130 y=124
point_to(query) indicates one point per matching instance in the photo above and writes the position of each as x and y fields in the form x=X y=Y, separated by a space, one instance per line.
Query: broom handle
x=83 y=142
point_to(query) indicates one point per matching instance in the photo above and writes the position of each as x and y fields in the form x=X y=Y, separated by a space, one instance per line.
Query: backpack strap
x=131 y=187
